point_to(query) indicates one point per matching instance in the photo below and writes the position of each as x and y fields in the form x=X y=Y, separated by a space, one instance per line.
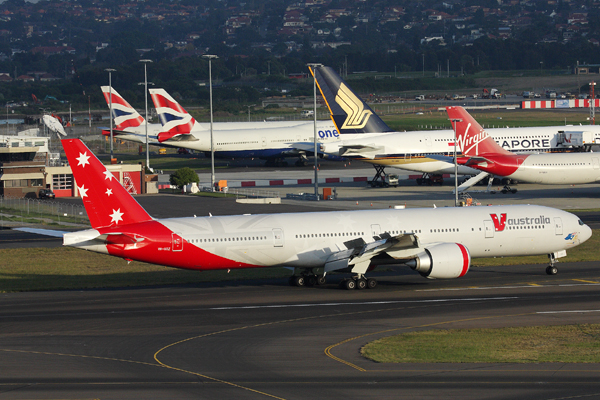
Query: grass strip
x=535 y=344
x=28 y=269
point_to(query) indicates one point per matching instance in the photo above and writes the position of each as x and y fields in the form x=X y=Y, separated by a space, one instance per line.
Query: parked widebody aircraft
x=436 y=242
x=269 y=140
x=480 y=151
x=410 y=150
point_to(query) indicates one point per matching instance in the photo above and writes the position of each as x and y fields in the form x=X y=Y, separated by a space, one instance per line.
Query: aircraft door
x=558 y=228
x=489 y=228
x=263 y=142
x=595 y=162
x=277 y=237
x=375 y=230
x=428 y=141
x=176 y=242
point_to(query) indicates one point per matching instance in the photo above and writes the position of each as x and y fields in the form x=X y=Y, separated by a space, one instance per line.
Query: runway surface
x=269 y=340
x=265 y=339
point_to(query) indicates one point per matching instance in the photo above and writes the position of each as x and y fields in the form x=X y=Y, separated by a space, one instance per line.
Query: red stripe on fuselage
x=155 y=246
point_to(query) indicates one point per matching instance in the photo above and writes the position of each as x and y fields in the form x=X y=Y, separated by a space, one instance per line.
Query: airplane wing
x=358 y=254
x=366 y=151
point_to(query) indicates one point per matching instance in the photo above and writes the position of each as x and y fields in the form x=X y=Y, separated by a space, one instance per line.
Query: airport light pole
x=145 y=61
x=251 y=105
x=313 y=67
x=454 y=121
x=110 y=71
x=212 y=149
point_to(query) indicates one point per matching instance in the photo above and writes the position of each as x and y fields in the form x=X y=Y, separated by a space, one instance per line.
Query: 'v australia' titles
x=501 y=222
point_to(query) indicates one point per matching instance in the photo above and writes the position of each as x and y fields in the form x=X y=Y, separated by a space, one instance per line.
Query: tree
x=183 y=176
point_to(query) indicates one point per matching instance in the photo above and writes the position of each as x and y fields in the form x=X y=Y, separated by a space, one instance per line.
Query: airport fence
x=36 y=210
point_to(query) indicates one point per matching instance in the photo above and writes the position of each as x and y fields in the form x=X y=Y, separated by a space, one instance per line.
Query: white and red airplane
x=437 y=243
x=480 y=151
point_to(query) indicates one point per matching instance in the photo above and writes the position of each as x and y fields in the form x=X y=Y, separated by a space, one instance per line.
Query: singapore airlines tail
x=349 y=113
x=106 y=201
x=124 y=115
x=177 y=123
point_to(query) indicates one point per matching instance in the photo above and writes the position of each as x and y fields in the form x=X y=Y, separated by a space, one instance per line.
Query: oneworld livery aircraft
x=480 y=151
x=411 y=150
x=269 y=140
x=436 y=242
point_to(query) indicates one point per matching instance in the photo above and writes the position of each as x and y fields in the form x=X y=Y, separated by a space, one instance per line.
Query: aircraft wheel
x=311 y=280
x=551 y=270
x=371 y=283
x=321 y=280
x=361 y=283
x=299 y=280
x=349 y=284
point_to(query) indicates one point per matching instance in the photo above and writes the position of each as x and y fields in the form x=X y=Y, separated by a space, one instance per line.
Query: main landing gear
x=358 y=282
x=307 y=279
x=551 y=269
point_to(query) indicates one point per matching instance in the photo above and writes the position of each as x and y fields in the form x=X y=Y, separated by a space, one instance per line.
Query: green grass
x=566 y=344
x=68 y=268
x=487 y=118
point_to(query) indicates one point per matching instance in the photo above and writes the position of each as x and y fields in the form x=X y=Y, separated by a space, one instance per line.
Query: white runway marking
x=366 y=303
x=567 y=312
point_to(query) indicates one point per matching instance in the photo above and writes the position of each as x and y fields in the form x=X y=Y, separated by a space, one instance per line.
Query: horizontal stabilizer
x=45 y=232
x=176 y=137
x=366 y=151
x=472 y=181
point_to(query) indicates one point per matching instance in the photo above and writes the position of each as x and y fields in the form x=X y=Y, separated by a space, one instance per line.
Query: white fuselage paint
x=567 y=168
x=309 y=239
x=241 y=136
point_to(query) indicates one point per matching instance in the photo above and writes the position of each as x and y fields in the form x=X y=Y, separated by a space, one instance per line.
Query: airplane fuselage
x=309 y=239
x=410 y=150
x=550 y=169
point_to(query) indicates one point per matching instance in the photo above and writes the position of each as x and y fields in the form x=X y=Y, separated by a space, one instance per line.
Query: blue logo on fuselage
x=329 y=133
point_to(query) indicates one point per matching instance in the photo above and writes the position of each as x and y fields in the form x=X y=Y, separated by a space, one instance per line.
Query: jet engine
x=442 y=261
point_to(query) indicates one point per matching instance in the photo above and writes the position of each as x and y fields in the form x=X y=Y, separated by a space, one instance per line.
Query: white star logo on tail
x=108 y=192
x=116 y=216
x=82 y=191
x=83 y=159
x=108 y=175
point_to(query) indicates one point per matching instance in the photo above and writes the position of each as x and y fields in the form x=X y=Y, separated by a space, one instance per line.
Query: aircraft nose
x=586 y=233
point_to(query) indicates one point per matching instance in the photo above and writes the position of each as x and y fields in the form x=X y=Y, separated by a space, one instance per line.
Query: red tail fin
x=472 y=139
x=106 y=201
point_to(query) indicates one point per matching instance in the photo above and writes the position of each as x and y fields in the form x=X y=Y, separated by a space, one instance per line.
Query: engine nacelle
x=442 y=261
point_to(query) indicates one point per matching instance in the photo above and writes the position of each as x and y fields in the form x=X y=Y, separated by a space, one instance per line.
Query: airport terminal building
x=27 y=165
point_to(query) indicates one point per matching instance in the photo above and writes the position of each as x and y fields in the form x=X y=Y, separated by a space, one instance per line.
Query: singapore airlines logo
x=354 y=108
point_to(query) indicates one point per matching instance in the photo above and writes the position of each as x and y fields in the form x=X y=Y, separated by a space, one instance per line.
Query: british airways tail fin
x=348 y=111
x=472 y=139
x=124 y=115
x=174 y=118
x=106 y=201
